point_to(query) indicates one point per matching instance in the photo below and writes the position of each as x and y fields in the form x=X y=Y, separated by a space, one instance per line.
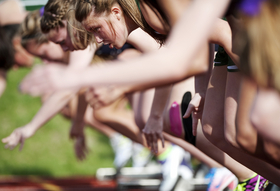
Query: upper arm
x=142 y=41
x=82 y=58
x=173 y=9
x=152 y=17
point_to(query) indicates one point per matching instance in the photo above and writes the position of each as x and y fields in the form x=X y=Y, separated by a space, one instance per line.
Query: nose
x=98 y=39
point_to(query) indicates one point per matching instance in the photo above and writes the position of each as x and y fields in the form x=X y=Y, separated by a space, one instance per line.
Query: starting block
x=147 y=178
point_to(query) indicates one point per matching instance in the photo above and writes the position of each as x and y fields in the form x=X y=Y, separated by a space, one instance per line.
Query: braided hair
x=58 y=10
x=54 y=13
x=30 y=29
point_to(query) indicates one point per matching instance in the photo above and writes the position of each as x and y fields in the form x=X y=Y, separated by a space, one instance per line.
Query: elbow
x=245 y=140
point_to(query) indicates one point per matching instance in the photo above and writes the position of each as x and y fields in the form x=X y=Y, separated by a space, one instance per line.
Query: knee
x=246 y=142
x=216 y=137
x=230 y=134
x=209 y=134
x=272 y=151
x=259 y=120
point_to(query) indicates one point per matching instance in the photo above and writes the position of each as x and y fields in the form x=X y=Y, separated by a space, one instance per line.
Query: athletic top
x=106 y=51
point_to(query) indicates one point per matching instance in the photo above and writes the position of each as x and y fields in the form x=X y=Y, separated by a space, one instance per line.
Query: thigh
x=265 y=114
x=177 y=92
x=213 y=112
x=231 y=98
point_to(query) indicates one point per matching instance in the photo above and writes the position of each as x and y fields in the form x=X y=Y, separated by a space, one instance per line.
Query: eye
x=61 y=42
x=94 y=29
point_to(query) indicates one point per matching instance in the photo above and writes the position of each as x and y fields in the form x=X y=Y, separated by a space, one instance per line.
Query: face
x=22 y=57
x=108 y=28
x=61 y=37
x=48 y=52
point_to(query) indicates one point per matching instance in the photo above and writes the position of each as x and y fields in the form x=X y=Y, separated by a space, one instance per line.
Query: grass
x=50 y=151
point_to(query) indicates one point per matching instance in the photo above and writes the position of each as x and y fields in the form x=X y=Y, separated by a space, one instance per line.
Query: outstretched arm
x=165 y=66
x=154 y=126
x=52 y=105
x=201 y=83
x=77 y=128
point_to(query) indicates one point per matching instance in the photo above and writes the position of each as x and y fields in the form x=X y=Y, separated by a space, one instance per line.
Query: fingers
x=147 y=136
x=195 y=123
x=155 y=144
x=21 y=143
x=189 y=111
x=80 y=148
x=12 y=140
x=32 y=82
x=162 y=140
x=152 y=140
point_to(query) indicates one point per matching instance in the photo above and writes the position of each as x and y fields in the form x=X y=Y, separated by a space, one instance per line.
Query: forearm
x=82 y=58
x=155 y=69
x=202 y=80
x=51 y=107
x=81 y=109
x=246 y=134
x=160 y=99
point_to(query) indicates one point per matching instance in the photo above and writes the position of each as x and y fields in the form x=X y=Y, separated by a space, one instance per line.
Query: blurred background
x=50 y=152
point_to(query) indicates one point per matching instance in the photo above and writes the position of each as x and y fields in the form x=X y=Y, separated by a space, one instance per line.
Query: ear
x=117 y=12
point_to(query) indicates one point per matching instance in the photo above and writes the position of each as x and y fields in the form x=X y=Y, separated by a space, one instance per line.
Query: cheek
x=69 y=44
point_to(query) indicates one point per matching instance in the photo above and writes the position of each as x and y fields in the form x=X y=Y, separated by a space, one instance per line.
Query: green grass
x=50 y=151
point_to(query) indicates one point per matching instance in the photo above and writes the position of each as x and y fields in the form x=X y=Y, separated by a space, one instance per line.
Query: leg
x=121 y=120
x=257 y=110
x=213 y=121
x=232 y=92
x=176 y=95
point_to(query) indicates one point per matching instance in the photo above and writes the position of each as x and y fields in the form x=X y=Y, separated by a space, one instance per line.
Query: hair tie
x=42 y=10
x=251 y=7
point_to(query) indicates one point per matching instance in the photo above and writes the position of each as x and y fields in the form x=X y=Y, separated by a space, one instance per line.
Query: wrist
x=29 y=128
x=156 y=115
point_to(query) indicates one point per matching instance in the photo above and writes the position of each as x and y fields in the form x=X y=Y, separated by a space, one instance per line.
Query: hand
x=98 y=97
x=196 y=109
x=153 y=132
x=47 y=79
x=18 y=136
x=80 y=147
x=76 y=129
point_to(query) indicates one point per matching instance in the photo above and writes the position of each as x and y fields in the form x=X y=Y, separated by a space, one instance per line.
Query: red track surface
x=34 y=183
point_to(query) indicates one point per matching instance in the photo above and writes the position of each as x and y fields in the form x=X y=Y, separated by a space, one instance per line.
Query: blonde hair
x=30 y=29
x=55 y=12
x=130 y=8
x=259 y=56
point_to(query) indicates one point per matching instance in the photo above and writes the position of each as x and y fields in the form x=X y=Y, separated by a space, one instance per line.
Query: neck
x=131 y=25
